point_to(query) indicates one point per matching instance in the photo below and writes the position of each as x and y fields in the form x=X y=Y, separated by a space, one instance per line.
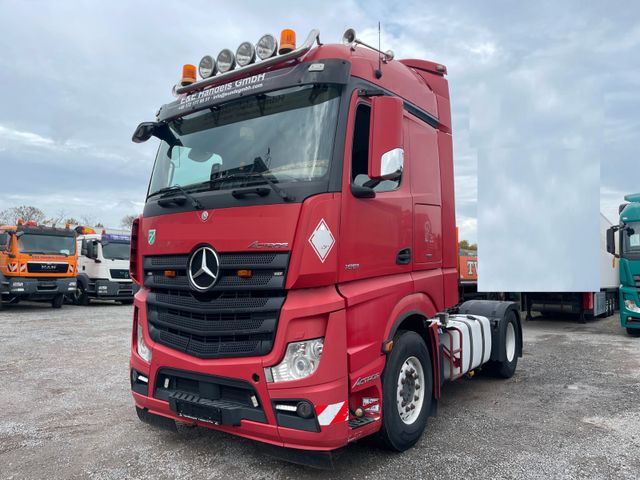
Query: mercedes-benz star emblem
x=203 y=270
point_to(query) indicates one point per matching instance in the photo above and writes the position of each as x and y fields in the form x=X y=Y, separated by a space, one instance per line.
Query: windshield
x=46 y=244
x=631 y=240
x=287 y=135
x=116 y=251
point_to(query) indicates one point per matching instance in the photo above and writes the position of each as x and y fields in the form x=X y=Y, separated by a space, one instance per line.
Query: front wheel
x=57 y=300
x=634 y=332
x=80 y=297
x=407 y=389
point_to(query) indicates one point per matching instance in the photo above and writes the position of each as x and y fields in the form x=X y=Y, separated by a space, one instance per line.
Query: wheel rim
x=510 y=342
x=410 y=390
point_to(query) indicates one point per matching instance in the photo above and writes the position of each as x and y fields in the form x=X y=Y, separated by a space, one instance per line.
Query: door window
x=360 y=154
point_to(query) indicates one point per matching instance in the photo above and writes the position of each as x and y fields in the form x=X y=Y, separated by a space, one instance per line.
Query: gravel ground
x=571 y=411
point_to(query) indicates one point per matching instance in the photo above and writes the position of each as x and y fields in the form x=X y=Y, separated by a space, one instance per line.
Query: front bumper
x=628 y=318
x=112 y=290
x=305 y=314
x=40 y=288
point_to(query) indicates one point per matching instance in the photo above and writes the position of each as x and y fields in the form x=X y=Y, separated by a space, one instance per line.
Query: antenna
x=379 y=70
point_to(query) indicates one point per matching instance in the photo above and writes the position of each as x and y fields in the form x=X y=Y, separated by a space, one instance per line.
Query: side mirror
x=144 y=132
x=386 y=153
x=611 y=241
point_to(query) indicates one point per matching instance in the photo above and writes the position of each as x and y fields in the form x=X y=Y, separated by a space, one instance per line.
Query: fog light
x=245 y=54
x=17 y=284
x=266 y=46
x=304 y=409
x=143 y=350
x=226 y=60
x=207 y=66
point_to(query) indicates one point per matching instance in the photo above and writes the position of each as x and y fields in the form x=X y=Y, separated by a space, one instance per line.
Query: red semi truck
x=297 y=252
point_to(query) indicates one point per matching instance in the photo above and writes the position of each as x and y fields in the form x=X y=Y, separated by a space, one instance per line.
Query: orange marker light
x=188 y=74
x=170 y=273
x=245 y=273
x=287 y=41
x=19 y=221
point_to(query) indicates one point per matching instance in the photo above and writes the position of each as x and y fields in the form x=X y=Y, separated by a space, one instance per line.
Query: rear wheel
x=506 y=368
x=407 y=390
x=57 y=301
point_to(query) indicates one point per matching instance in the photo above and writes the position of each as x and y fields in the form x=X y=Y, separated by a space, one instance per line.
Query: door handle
x=404 y=256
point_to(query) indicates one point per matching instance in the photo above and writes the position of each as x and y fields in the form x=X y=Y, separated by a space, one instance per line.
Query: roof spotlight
x=266 y=46
x=226 y=60
x=207 y=66
x=245 y=54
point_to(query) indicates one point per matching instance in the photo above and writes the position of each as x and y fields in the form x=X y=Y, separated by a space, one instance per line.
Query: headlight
x=266 y=46
x=226 y=61
x=17 y=284
x=631 y=305
x=245 y=54
x=300 y=360
x=143 y=349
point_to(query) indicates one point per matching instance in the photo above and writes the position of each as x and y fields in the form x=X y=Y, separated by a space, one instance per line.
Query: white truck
x=103 y=267
x=582 y=304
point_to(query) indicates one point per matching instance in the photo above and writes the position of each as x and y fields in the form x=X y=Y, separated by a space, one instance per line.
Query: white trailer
x=601 y=303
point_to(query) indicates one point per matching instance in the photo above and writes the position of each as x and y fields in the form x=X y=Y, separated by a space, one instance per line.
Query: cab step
x=358 y=422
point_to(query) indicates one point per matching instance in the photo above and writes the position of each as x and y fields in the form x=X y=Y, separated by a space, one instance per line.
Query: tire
x=506 y=368
x=80 y=297
x=634 y=332
x=409 y=352
x=57 y=301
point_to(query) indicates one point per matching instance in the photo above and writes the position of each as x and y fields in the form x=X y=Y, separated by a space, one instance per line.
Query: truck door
x=425 y=188
x=376 y=233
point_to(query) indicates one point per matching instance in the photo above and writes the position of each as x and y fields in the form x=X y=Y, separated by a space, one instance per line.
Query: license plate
x=199 y=412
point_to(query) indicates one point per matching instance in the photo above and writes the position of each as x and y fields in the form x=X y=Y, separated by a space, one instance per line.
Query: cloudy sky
x=77 y=77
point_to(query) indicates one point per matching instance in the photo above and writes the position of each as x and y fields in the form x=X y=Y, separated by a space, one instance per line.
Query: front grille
x=236 y=318
x=119 y=273
x=44 y=267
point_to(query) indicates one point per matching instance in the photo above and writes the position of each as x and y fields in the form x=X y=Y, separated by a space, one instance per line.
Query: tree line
x=29 y=213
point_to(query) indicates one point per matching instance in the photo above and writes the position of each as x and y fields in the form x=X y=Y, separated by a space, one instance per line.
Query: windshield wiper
x=259 y=175
x=168 y=192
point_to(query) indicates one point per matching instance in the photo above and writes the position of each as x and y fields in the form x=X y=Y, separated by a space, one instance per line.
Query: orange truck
x=468 y=274
x=36 y=263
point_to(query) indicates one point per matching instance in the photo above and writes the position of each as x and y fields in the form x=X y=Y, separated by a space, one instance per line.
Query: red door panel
x=428 y=237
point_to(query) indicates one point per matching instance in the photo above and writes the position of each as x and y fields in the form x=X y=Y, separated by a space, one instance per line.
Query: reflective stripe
x=330 y=414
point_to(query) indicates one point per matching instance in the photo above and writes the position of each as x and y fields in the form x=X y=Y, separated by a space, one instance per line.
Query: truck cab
x=297 y=243
x=36 y=263
x=103 y=267
x=628 y=240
